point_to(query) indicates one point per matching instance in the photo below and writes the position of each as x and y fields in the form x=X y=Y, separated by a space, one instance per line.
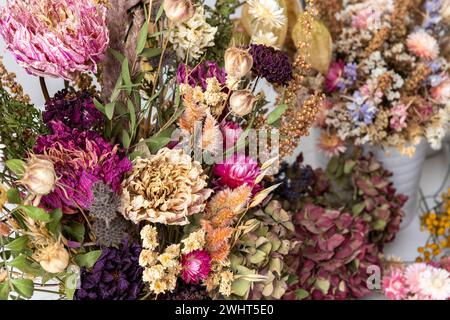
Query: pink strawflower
x=399 y=113
x=441 y=93
x=421 y=44
x=394 y=286
x=231 y=132
x=237 y=170
x=334 y=76
x=56 y=38
x=196 y=266
x=412 y=276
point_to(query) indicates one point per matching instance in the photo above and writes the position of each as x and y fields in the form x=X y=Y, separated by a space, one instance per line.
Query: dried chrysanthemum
x=165 y=188
x=53 y=258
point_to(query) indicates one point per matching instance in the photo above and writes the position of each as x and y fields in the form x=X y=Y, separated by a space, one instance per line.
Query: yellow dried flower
x=165 y=188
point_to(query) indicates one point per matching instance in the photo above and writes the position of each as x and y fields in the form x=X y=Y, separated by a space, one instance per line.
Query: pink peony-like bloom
x=80 y=158
x=398 y=113
x=334 y=75
x=421 y=44
x=412 y=276
x=237 y=170
x=57 y=38
x=441 y=93
x=196 y=266
x=394 y=286
x=231 y=132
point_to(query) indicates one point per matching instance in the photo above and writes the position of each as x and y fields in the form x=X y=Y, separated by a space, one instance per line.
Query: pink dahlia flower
x=334 y=76
x=57 y=38
x=394 y=286
x=80 y=158
x=237 y=170
x=231 y=132
x=196 y=266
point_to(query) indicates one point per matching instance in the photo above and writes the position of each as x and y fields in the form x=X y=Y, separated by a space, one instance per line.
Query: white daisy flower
x=267 y=12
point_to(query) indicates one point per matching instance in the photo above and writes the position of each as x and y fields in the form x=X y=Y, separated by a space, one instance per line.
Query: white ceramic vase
x=407 y=172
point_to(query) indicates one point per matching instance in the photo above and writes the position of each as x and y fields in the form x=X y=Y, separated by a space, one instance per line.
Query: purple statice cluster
x=362 y=110
x=197 y=76
x=74 y=109
x=271 y=64
x=81 y=158
x=433 y=18
x=115 y=276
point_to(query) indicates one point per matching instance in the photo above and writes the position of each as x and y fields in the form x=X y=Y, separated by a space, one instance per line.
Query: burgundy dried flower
x=80 y=158
x=271 y=64
x=115 y=276
x=198 y=75
x=74 y=109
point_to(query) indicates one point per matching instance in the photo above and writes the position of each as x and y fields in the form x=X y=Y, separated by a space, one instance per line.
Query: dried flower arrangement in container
x=137 y=180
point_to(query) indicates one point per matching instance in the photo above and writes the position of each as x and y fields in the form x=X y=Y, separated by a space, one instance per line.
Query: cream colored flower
x=167 y=260
x=165 y=188
x=213 y=94
x=266 y=38
x=147 y=258
x=149 y=236
x=173 y=249
x=158 y=286
x=53 y=258
x=3 y=275
x=267 y=12
x=227 y=278
x=191 y=38
x=153 y=273
x=195 y=241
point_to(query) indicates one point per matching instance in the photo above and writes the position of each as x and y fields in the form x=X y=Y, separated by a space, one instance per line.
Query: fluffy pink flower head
x=421 y=44
x=231 y=132
x=237 y=170
x=394 y=286
x=56 y=38
x=196 y=266
x=441 y=93
x=399 y=113
x=334 y=75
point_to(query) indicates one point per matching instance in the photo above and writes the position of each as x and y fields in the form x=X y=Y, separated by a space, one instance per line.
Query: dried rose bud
x=238 y=62
x=242 y=102
x=179 y=10
x=40 y=176
x=54 y=258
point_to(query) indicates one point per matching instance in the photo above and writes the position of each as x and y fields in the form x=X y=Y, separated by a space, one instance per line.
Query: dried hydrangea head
x=165 y=188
